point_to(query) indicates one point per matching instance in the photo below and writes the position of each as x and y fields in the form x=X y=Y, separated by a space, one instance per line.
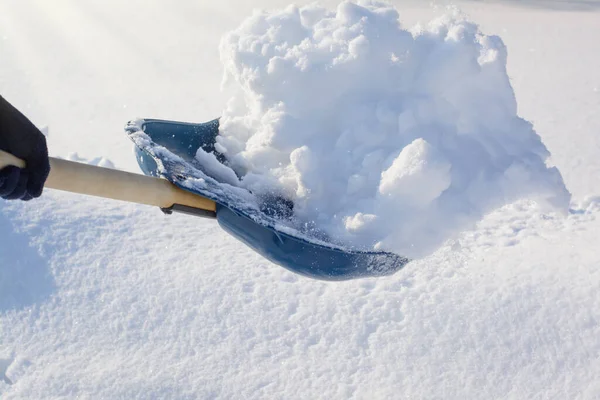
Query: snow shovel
x=176 y=182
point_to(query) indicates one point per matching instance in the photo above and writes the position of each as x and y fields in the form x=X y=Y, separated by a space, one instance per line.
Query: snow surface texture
x=107 y=300
x=385 y=138
x=97 y=161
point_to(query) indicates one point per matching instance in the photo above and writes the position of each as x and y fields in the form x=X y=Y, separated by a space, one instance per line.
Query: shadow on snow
x=25 y=277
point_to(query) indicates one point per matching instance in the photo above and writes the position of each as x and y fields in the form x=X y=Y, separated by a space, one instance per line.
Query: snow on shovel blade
x=168 y=149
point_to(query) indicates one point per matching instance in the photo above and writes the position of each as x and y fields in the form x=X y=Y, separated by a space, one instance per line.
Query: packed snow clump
x=383 y=137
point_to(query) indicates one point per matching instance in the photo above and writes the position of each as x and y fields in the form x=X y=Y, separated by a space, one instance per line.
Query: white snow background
x=102 y=299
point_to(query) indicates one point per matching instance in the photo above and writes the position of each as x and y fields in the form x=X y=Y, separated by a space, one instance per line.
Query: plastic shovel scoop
x=168 y=149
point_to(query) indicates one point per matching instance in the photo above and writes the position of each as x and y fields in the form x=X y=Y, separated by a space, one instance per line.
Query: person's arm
x=21 y=138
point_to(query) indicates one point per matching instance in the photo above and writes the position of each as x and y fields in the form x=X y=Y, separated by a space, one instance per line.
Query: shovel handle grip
x=114 y=184
x=7 y=159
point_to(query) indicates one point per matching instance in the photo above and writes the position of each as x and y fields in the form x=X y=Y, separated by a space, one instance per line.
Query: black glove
x=22 y=139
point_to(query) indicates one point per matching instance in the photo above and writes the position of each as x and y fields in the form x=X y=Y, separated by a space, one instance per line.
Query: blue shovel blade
x=168 y=149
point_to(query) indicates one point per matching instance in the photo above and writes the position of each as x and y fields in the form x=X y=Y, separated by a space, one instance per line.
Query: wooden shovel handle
x=7 y=159
x=113 y=184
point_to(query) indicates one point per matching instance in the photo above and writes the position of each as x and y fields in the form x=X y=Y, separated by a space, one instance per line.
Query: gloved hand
x=22 y=139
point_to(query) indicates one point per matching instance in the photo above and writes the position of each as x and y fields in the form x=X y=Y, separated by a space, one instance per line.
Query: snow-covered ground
x=102 y=299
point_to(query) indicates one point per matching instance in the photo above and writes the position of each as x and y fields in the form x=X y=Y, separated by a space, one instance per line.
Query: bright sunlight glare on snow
x=465 y=135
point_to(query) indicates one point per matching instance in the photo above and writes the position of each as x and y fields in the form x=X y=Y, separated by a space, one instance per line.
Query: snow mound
x=96 y=161
x=383 y=137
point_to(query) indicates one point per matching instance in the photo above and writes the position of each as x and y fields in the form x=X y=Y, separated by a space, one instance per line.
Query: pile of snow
x=384 y=137
x=96 y=161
